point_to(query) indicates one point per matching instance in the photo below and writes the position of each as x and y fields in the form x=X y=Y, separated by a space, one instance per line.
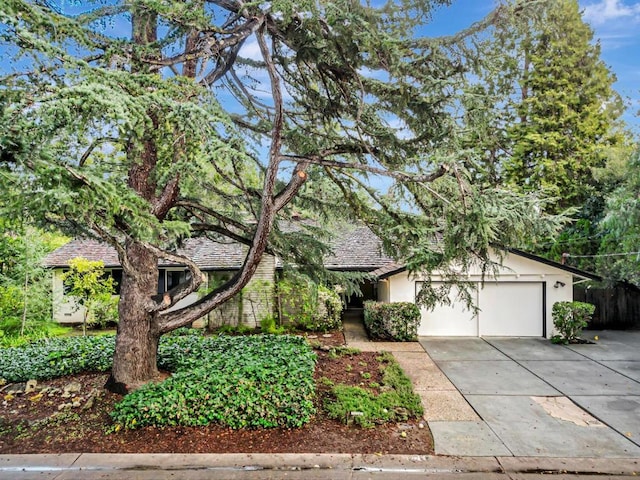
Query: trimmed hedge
x=392 y=321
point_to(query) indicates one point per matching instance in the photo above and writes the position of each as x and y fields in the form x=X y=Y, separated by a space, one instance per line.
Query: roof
x=356 y=248
x=353 y=248
x=394 y=268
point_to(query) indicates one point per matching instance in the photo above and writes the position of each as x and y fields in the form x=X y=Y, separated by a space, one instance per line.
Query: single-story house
x=517 y=301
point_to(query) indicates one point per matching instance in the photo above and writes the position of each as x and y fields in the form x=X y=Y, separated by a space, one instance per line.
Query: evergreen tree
x=619 y=254
x=216 y=117
x=564 y=125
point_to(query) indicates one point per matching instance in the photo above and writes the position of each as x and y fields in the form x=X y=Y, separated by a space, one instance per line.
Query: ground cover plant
x=371 y=402
x=72 y=413
x=244 y=381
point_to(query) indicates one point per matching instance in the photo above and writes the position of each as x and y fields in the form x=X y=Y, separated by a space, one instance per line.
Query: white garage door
x=506 y=309
x=453 y=320
x=511 y=309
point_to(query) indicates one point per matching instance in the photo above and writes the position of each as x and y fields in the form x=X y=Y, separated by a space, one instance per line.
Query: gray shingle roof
x=354 y=248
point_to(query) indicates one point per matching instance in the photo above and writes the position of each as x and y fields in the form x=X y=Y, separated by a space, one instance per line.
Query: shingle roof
x=354 y=248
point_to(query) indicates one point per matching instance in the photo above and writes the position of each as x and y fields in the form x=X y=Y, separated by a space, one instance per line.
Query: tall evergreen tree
x=563 y=124
x=214 y=117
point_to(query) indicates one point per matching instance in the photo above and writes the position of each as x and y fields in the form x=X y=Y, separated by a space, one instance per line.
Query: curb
x=427 y=464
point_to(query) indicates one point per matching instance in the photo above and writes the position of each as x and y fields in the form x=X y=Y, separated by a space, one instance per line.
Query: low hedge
x=392 y=321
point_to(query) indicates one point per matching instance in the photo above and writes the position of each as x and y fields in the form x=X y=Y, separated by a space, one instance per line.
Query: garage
x=505 y=310
x=515 y=302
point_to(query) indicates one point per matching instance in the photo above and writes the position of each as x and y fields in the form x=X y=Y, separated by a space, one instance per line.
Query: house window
x=168 y=279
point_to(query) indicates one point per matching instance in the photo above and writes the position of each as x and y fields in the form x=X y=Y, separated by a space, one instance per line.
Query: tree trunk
x=134 y=361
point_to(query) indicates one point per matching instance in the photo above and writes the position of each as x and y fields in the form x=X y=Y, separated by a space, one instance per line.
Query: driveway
x=534 y=398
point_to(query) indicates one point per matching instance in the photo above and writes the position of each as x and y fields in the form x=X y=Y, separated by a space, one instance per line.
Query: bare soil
x=46 y=420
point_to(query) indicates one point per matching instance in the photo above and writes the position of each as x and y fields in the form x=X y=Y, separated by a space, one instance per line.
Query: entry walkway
x=522 y=397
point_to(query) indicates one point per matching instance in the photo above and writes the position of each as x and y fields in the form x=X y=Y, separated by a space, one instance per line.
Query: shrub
x=309 y=306
x=570 y=318
x=392 y=321
x=396 y=402
x=254 y=381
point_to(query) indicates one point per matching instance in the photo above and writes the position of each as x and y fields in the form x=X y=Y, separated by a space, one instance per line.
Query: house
x=355 y=249
x=517 y=301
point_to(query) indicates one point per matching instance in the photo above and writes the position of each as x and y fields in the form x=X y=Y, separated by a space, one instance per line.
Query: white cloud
x=604 y=11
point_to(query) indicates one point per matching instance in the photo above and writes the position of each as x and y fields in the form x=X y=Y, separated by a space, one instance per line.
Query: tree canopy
x=144 y=123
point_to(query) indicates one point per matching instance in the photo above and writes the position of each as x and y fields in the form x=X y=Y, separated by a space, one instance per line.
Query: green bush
x=570 y=318
x=50 y=358
x=396 y=401
x=309 y=306
x=253 y=381
x=397 y=321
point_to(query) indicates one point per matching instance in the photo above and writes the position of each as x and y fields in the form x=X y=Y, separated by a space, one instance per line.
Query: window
x=168 y=279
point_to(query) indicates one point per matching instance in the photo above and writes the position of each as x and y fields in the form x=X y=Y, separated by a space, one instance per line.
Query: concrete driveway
x=534 y=398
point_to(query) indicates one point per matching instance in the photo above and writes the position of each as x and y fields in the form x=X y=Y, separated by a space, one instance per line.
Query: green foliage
x=620 y=228
x=92 y=289
x=343 y=351
x=396 y=321
x=56 y=357
x=251 y=381
x=569 y=318
x=25 y=286
x=268 y=326
x=396 y=401
x=308 y=305
x=241 y=382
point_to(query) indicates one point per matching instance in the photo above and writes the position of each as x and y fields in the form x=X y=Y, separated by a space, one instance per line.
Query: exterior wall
x=65 y=308
x=258 y=295
x=402 y=287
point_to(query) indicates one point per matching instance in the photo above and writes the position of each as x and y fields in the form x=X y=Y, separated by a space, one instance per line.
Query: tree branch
x=405 y=177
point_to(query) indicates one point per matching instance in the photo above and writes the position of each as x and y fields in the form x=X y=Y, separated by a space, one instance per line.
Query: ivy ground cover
x=251 y=381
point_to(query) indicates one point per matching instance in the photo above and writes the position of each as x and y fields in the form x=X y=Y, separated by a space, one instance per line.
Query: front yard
x=226 y=394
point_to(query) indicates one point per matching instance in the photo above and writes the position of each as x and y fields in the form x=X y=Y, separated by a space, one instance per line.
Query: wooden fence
x=617 y=307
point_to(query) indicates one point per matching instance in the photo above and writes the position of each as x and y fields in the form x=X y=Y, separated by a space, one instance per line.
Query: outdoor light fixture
x=558 y=284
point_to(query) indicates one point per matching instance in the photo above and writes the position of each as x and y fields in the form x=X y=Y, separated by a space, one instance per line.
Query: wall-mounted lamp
x=558 y=284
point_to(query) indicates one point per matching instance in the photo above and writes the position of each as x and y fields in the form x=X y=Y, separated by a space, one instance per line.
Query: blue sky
x=616 y=24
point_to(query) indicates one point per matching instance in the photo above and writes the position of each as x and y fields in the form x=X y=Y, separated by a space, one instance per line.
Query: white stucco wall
x=402 y=287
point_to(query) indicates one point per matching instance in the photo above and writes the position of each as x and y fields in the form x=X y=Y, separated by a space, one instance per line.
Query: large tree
x=545 y=113
x=214 y=117
x=564 y=126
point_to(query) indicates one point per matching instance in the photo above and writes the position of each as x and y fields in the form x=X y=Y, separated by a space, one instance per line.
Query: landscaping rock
x=64 y=406
x=73 y=387
x=30 y=387
x=95 y=393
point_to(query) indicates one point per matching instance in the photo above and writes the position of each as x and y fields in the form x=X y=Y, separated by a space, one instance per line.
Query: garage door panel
x=511 y=309
x=453 y=320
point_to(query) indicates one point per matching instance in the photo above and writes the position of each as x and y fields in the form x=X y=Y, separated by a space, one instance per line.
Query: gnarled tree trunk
x=134 y=361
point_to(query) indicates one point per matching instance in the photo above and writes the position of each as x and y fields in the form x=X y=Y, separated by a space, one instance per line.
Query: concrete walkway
x=522 y=397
